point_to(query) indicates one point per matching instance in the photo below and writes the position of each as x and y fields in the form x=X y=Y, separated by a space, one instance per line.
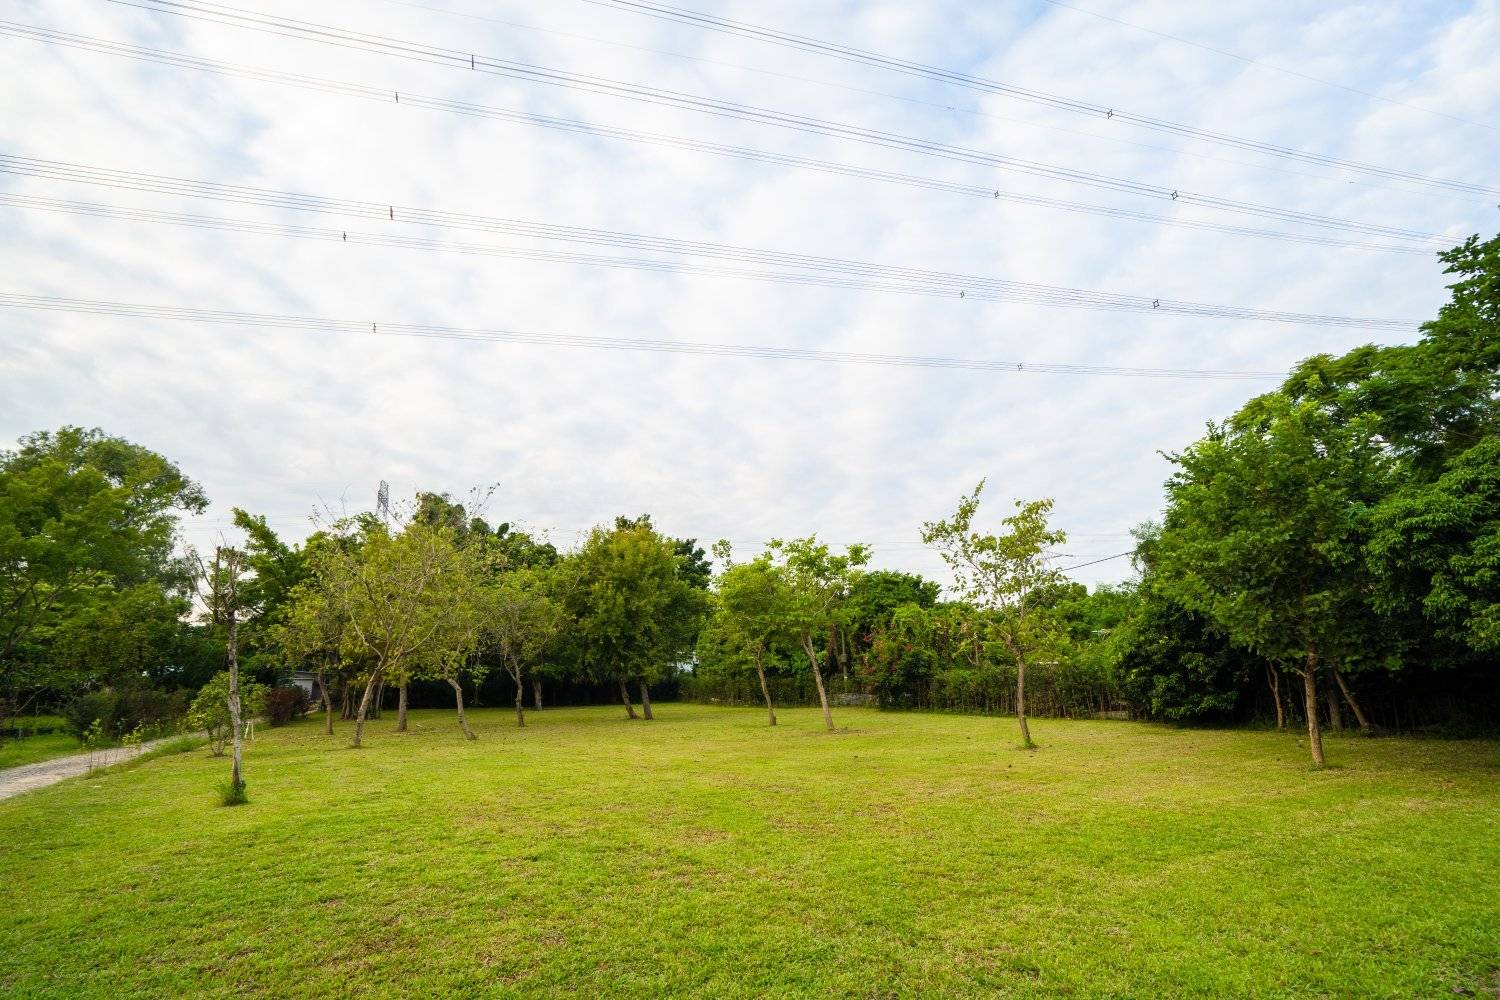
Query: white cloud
x=278 y=421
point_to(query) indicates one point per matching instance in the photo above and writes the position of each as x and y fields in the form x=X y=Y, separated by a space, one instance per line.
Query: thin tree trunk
x=401 y=708
x=1359 y=713
x=760 y=670
x=327 y=702
x=1021 y=702
x=520 y=696
x=1273 y=679
x=379 y=702
x=1335 y=717
x=646 y=702
x=625 y=697
x=812 y=659
x=1310 y=706
x=364 y=708
x=536 y=693
x=463 y=720
x=236 y=774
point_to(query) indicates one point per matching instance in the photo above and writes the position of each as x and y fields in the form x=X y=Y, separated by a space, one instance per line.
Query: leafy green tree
x=520 y=621
x=1001 y=574
x=311 y=633
x=816 y=586
x=82 y=516
x=1440 y=541
x=210 y=709
x=751 y=612
x=1263 y=534
x=628 y=605
x=397 y=594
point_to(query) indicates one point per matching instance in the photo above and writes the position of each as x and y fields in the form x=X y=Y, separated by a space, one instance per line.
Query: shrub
x=144 y=712
x=284 y=704
x=231 y=794
x=95 y=713
x=210 y=711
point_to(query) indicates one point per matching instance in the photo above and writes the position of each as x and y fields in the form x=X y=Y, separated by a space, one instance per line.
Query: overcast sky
x=279 y=421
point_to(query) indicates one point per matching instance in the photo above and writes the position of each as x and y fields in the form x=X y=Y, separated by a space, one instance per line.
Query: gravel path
x=15 y=780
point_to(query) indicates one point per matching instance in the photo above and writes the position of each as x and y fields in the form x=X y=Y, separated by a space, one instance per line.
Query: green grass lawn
x=705 y=855
x=30 y=749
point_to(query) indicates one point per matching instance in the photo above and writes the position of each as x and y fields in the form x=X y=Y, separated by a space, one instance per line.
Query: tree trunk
x=401 y=708
x=1273 y=680
x=520 y=697
x=463 y=720
x=327 y=703
x=379 y=701
x=236 y=774
x=812 y=659
x=1359 y=713
x=364 y=708
x=646 y=702
x=760 y=670
x=1335 y=717
x=1021 y=702
x=625 y=697
x=536 y=693
x=1310 y=706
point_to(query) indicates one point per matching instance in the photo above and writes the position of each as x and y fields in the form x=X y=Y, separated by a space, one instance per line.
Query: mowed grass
x=32 y=749
x=706 y=855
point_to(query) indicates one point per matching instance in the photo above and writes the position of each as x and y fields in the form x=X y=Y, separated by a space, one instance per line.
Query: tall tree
x=1003 y=573
x=627 y=604
x=224 y=584
x=520 y=621
x=82 y=516
x=817 y=584
x=1263 y=534
x=751 y=611
x=397 y=593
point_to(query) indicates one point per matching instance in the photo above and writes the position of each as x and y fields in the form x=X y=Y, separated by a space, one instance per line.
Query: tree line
x=1330 y=551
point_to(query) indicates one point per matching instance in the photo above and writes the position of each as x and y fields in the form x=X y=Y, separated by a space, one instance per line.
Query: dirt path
x=15 y=780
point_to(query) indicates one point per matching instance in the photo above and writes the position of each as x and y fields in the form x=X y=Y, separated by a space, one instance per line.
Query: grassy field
x=41 y=746
x=705 y=855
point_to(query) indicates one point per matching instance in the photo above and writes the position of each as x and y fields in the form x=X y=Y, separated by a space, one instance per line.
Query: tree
x=751 y=611
x=311 y=632
x=223 y=580
x=1001 y=573
x=629 y=605
x=520 y=622
x=210 y=709
x=1263 y=533
x=397 y=594
x=816 y=585
x=82 y=516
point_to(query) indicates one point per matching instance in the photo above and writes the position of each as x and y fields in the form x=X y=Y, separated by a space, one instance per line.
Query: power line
x=826 y=272
x=131 y=310
x=162 y=184
x=848 y=53
x=418 y=101
x=454 y=59
x=1270 y=66
x=905 y=98
x=1095 y=562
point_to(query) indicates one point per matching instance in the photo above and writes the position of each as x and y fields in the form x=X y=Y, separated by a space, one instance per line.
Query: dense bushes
x=119 y=712
x=284 y=704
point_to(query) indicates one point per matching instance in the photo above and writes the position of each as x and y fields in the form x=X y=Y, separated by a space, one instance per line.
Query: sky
x=283 y=422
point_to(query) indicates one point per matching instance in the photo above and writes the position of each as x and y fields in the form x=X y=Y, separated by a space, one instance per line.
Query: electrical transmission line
x=17 y=300
x=455 y=59
x=386 y=95
x=829 y=272
x=909 y=99
x=849 y=53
